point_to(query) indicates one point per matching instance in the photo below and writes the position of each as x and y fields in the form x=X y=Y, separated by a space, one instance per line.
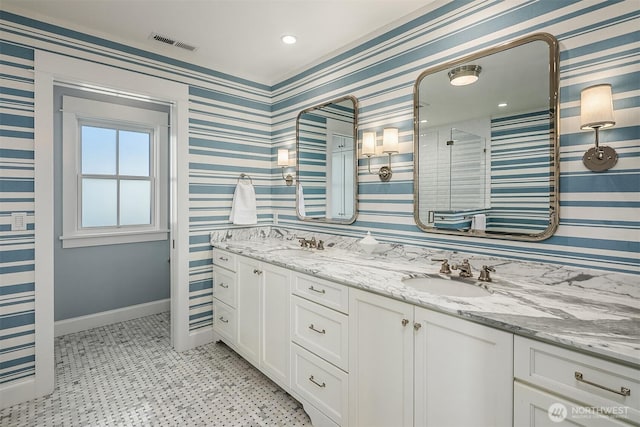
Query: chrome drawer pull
x=624 y=391
x=223 y=259
x=222 y=285
x=256 y=271
x=316 y=383
x=320 y=291
x=223 y=320
x=405 y=322
x=316 y=330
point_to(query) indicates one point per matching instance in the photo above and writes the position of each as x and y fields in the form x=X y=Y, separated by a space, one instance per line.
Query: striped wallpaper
x=599 y=42
x=237 y=126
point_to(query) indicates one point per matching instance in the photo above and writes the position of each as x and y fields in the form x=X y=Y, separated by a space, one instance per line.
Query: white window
x=115 y=168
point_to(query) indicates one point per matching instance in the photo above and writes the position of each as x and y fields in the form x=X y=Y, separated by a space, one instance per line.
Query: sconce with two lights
x=389 y=146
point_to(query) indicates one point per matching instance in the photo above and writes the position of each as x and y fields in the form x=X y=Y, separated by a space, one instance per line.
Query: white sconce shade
x=596 y=112
x=596 y=107
x=390 y=140
x=283 y=157
x=368 y=144
x=283 y=162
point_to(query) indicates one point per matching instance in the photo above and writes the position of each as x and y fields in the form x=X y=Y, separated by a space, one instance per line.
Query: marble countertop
x=588 y=310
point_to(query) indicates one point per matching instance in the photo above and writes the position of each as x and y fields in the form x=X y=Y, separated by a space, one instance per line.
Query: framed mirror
x=486 y=142
x=326 y=162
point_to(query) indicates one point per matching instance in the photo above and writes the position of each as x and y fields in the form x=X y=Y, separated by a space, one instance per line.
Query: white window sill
x=112 y=238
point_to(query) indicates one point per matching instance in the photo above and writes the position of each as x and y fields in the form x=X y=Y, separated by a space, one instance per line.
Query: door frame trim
x=49 y=69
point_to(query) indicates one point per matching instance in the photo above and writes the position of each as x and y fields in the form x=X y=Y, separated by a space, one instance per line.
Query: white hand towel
x=300 y=200
x=243 y=207
x=479 y=222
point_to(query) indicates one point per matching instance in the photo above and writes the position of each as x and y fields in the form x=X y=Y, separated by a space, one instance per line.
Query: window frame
x=78 y=112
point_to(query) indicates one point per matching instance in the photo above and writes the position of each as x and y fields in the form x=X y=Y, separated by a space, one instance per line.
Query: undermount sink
x=300 y=252
x=445 y=286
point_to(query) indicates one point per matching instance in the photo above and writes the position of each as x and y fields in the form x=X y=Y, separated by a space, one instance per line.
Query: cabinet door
x=463 y=373
x=275 y=353
x=380 y=361
x=249 y=276
x=535 y=408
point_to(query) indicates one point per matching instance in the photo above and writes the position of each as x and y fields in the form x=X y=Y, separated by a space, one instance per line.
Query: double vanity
x=384 y=339
x=391 y=335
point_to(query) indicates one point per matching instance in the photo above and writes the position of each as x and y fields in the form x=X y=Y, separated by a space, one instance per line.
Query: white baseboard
x=83 y=323
x=17 y=392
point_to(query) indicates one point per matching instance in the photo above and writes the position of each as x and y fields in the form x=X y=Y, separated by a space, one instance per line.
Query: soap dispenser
x=368 y=243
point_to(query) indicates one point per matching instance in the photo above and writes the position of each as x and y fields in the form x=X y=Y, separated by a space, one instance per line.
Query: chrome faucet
x=484 y=273
x=444 y=268
x=311 y=243
x=465 y=268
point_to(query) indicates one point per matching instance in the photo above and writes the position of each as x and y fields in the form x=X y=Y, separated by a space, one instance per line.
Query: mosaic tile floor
x=127 y=374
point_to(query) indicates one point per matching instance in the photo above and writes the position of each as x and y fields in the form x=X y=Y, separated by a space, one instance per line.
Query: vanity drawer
x=320 y=330
x=323 y=292
x=322 y=384
x=532 y=407
x=586 y=379
x=225 y=321
x=224 y=286
x=224 y=259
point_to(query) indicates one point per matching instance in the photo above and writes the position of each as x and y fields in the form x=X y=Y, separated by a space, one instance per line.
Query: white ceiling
x=238 y=37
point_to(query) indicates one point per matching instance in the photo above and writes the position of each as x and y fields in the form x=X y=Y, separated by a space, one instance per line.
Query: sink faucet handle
x=320 y=245
x=485 y=276
x=444 y=268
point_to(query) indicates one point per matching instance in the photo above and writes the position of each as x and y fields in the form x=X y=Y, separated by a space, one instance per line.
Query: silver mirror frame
x=554 y=109
x=351 y=220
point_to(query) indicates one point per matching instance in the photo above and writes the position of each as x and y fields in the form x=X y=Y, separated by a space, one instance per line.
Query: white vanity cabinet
x=263 y=317
x=320 y=349
x=411 y=366
x=360 y=359
x=224 y=296
x=584 y=390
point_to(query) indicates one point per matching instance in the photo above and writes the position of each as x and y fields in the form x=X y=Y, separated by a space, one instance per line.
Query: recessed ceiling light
x=502 y=104
x=288 y=39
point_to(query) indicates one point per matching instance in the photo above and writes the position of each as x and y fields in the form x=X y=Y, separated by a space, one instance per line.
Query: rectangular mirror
x=326 y=168
x=485 y=142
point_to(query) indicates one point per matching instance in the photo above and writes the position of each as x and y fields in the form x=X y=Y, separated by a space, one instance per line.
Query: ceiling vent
x=168 y=40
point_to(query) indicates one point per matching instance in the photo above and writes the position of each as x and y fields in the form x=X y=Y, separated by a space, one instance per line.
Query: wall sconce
x=596 y=112
x=283 y=162
x=369 y=146
x=389 y=146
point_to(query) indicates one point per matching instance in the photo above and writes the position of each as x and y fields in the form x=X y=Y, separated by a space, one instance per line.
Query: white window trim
x=75 y=110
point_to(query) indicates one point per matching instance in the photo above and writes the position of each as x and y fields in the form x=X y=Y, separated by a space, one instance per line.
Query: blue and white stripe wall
x=229 y=133
x=237 y=126
x=599 y=42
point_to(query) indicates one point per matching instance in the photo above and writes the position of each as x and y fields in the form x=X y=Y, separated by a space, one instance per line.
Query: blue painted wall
x=237 y=126
x=93 y=279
